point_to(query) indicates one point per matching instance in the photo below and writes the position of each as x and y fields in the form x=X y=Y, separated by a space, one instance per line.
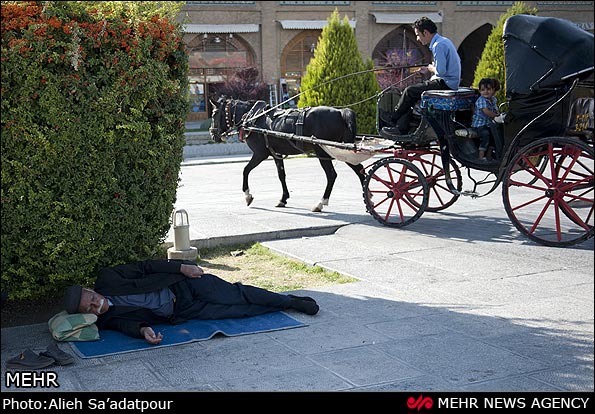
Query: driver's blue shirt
x=446 y=61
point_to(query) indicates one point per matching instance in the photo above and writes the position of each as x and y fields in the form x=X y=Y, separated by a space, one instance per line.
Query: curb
x=207 y=160
x=210 y=242
x=211 y=150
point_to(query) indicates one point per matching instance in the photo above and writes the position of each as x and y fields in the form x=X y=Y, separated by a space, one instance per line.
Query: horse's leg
x=359 y=171
x=256 y=159
x=361 y=174
x=331 y=176
x=281 y=173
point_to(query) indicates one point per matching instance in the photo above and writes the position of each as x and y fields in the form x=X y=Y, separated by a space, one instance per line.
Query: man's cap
x=72 y=298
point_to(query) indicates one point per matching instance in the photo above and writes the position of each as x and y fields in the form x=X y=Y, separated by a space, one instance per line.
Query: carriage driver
x=446 y=74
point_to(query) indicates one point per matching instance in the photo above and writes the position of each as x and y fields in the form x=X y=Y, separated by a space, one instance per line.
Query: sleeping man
x=131 y=298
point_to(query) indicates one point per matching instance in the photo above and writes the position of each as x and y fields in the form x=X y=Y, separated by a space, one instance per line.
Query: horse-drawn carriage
x=545 y=166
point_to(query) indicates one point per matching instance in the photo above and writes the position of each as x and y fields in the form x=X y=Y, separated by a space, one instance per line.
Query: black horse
x=322 y=122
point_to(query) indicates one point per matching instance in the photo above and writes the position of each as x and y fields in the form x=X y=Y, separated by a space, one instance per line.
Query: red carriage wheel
x=551 y=203
x=395 y=192
x=430 y=164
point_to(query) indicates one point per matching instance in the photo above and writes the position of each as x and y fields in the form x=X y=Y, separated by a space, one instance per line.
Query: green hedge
x=93 y=112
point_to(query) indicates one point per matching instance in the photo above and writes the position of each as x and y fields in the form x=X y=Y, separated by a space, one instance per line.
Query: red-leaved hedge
x=93 y=111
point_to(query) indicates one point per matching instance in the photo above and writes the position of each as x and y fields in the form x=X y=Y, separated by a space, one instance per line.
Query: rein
x=248 y=118
x=377 y=95
x=343 y=77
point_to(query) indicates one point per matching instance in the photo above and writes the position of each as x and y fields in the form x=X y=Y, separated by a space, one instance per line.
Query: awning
x=404 y=18
x=221 y=28
x=307 y=24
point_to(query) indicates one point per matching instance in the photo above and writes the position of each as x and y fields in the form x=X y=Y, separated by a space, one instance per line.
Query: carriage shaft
x=302 y=138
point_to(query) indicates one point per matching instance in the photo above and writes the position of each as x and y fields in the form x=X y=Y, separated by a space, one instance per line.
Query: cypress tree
x=326 y=81
x=491 y=64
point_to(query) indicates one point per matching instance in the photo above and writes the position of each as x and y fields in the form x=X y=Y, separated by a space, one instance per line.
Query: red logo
x=420 y=403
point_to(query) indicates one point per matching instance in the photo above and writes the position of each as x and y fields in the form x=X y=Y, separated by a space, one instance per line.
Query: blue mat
x=113 y=342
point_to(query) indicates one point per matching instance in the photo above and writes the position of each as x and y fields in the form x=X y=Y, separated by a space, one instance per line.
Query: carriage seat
x=580 y=119
x=462 y=99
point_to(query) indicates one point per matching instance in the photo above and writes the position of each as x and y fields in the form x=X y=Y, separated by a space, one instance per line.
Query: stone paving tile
x=311 y=378
x=578 y=377
x=459 y=360
x=364 y=365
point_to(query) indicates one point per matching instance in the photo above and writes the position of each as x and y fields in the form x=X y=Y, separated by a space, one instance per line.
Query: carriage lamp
x=181 y=248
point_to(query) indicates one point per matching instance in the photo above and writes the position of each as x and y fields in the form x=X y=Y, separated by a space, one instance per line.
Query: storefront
x=214 y=53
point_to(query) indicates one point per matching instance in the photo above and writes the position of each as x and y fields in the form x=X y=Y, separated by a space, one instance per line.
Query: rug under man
x=113 y=342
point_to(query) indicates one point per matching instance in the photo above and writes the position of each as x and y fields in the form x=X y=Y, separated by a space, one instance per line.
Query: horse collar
x=228 y=115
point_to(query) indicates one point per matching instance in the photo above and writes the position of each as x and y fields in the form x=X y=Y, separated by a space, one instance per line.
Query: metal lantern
x=181 y=248
x=181 y=230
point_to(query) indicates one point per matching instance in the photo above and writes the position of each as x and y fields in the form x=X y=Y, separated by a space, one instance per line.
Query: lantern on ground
x=181 y=248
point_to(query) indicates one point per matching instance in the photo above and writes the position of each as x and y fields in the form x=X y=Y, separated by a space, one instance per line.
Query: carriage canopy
x=544 y=52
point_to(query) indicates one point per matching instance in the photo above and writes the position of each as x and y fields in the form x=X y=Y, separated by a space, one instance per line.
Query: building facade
x=278 y=38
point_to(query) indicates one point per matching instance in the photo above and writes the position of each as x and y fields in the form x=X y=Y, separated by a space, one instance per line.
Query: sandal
x=29 y=360
x=61 y=357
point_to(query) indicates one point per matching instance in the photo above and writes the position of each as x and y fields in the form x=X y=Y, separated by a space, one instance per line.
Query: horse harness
x=257 y=110
x=298 y=124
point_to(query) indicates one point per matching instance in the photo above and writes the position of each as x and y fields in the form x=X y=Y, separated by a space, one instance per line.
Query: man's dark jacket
x=140 y=277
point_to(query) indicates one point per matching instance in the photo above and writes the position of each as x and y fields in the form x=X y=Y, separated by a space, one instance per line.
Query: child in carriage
x=485 y=116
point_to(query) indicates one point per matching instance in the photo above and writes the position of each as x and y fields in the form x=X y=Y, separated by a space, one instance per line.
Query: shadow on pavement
x=358 y=343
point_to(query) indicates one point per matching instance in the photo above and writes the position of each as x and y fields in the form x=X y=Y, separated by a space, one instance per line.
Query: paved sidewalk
x=457 y=301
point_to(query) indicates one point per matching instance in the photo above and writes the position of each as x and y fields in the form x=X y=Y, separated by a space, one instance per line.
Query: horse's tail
x=349 y=118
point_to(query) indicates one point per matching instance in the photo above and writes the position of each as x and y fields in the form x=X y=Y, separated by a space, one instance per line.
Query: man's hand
x=149 y=335
x=191 y=271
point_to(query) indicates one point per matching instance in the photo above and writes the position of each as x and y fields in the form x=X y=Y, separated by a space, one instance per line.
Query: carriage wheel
x=553 y=205
x=541 y=163
x=440 y=197
x=395 y=192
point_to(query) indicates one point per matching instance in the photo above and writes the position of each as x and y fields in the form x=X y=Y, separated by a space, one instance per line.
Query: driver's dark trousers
x=409 y=97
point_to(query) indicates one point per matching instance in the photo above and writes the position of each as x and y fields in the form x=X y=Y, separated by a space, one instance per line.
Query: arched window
x=399 y=48
x=295 y=59
x=212 y=58
x=218 y=54
x=470 y=52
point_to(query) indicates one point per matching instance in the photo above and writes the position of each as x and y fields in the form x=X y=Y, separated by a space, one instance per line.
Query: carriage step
x=466 y=133
x=411 y=139
x=467 y=193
